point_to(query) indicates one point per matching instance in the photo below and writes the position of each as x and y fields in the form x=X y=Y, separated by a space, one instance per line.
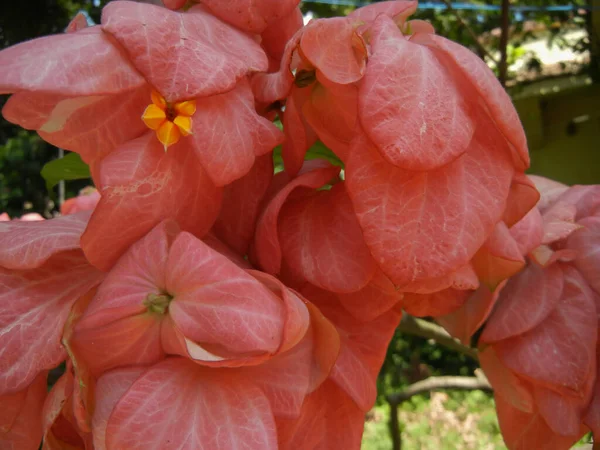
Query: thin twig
x=479 y=45
x=436 y=383
x=422 y=328
x=505 y=22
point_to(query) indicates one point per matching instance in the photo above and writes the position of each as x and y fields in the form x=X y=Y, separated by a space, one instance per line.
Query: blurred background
x=545 y=52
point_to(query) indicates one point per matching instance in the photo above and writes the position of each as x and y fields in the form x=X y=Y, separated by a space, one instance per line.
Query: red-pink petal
x=335 y=49
x=109 y=390
x=299 y=136
x=409 y=105
x=251 y=15
x=339 y=261
x=375 y=299
x=21 y=418
x=31 y=328
x=525 y=431
x=394 y=9
x=92 y=126
x=141 y=186
x=525 y=302
x=421 y=225
x=586 y=242
x=81 y=63
x=237 y=221
x=228 y=134
x=522 y=198
x=491 y=93
x=27 y=245
x=462 y=323
x=560 y=352
x=499 y=258
x=434 y=304
x=329 y=420
x=195 y=399
x=529 y=231
x=275 y=37
x=267 y=248
x=215 y=56
x=217 y=303
x=332 y=112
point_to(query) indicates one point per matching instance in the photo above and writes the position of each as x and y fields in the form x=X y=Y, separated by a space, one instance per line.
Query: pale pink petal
x=237 y=221
x=498 y=104
x=330 y=419
x=586 y=242
x=182 y=55
x=299 y=136
x=529 y=231
x=79 y=22
x=335 y=49
x=267 y=248
x=333 y=114
x=228 y=134
x=271 y=87
x=87 y=200
x=550 y=190
x=275 y=37
x=217 y=303
x=81 y=63
x=338 y=261
x=375 y=299
x=507 y=386
x=434 y=304
x=297 y=316
x=525 y=302
x=560 y=352
x=409 y=105
x=126 y=340
x=285 y=379
x=559 y=222
x=562 y=413
x=421 y=225
x=139 y=272
x=251 y=15
x=109 y=390
x=462 y=279
x=141 y=186
x=394 y=9
x=527 y=431
x=363 y=347
x=499 y=258
x=27 y=245
x=462 y=323
x=214 y=408
x=522 y=198
x=31 y=329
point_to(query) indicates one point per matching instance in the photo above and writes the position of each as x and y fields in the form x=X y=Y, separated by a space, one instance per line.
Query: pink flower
x=539 y=344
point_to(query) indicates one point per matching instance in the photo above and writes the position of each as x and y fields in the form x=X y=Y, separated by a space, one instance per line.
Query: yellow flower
x=170 y=121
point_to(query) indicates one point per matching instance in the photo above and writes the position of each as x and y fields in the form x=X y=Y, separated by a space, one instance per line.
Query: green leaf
x=317 y=151
x=70 y=167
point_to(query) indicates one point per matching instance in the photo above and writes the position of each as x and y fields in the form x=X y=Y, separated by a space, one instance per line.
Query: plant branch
x=436 y=383
x=428 y=330
x=480 y=47
x=505 y=22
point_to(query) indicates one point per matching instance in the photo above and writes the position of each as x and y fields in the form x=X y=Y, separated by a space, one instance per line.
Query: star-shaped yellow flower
x=170 y=121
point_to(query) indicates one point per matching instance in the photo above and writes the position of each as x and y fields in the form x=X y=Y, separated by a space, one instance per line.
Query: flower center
x=169 y=120
x=157 y=303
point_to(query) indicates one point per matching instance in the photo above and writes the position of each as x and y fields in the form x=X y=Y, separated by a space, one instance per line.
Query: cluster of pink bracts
x=208 y=303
